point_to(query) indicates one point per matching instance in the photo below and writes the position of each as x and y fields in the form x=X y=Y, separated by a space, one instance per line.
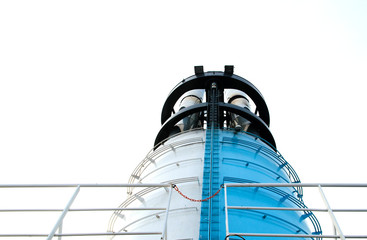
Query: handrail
x=68 y=209
x=274 y=154
x=155 y=214
x=296 y=184
x=166 y=211
x=299 y=209
x=168 y=165
x=299 y=203
x=154 y=154
x=79 y=209
x=81 y=234
x=328 y=209
x=294 y=235
x=141 y=193
x=87 y=185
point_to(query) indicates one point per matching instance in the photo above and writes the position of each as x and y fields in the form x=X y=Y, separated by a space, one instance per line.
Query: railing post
x=60 y=231
x=61 y=218
x=332 y=216
x=226 y=208
x=164 y=232
x=335 y=232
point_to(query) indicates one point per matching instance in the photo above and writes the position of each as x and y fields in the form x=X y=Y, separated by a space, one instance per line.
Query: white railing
x=338 y=233
x=57 y=227
x=59 y=223
x=154 y=154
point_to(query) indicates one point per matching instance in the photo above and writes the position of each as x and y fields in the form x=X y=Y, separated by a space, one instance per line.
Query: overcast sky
x=82 y=83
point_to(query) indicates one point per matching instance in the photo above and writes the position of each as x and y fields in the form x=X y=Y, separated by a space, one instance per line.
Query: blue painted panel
x=242 y=158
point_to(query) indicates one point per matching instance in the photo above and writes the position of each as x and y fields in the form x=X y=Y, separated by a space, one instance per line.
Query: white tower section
x=178 y=161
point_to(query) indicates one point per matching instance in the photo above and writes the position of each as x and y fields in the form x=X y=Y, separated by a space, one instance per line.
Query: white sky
x=82 y=83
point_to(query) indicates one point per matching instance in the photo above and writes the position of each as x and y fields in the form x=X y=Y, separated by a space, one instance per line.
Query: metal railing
x=56 y=230
x=58 y=225
x=154 y=154
x=338 y=234
x=274 y=154
x=140 y=194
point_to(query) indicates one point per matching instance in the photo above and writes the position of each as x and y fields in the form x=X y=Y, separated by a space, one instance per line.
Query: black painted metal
x=173 y=120
x=256 y=122
x=215 y=109
x=224 y=80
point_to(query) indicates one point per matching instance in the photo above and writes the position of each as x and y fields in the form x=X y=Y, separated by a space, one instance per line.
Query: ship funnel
x=239 y=99
x=189 y=99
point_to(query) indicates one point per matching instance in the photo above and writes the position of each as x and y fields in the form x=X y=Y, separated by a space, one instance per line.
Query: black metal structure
x=214 y=84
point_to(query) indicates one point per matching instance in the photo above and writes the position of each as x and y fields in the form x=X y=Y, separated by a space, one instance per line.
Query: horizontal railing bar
x=83 y=185
x=106 y=234
x=159 y=209
x=81 y=234
x=145 y=217
x=294 y=235
x=297 y=209
x=79 y=209
x=296 y=184
x=168 y=185
x=24 y=235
